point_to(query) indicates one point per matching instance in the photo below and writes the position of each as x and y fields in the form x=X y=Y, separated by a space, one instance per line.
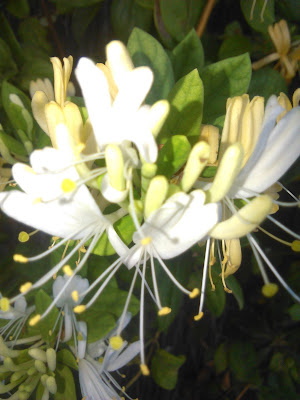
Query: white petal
x=127 y=355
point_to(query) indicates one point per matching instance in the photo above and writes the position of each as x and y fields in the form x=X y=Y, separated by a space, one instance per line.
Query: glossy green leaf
x=221 y=358
x=226 y=78
x=265 y=82
x=215 y=300
x=65 y=357
x=8 y=67
x=125 y=228
x=237 y=291
x=14 y=146
x=8 y=35
x=128 y=14
x=18 y=8
x=32 y=33
x=187 y=55
x=234 y=46
x=165 y=38
x=243 y=362
x=164 y=368
x=146 y=50
x=209 y=172
x=42 y=302
x=180 y=16
x=173 y=155
x=99 y=324
x=185 y=116
x=146 y=3
x=258 y=22
x=65 y=383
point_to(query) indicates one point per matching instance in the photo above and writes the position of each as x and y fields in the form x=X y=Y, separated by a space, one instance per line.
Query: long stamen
x=275 y=272
x=143 y=366
x=284 y=228
x=203 y=285
x=155 y=283
x=259 y=262
x=212 y=261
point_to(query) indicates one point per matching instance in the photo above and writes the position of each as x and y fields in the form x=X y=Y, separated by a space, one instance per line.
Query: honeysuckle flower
x=51 y=202
x=287 y=53
x=96 y=381
x=67 y=295
x=251 y=160
x=171 y=227
x=124 y=117
x=15 y=315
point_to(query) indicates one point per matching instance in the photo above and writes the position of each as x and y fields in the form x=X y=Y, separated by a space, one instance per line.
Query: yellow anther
x=67 y=270
x=116 y=342
x=79 y=309
x=37 y=200
x=123 y=388
x=24 y=288
x=55 y=238
x=19 y=258
x=100 y=360
x=63 y=313
x=295 y=245
x=23 y=237
x=269 y=289
x=68 y=185
x=82 y=249
x=144 y=369
x=164 y=311
x=54 y=276
x=194 y=293
x=146 y=241
x=4 y=304
x=34 y=320
x=50 y=332
x=80 y=147
x=75 y=296
x=198 y=316
x=79 y=336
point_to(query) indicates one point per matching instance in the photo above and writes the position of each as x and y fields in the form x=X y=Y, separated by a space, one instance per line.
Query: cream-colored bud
x=51 y=384
x=156 y=194
x=38 y=354
x=149 y=170
x=196 y=162
x=245 y=220
x=115 y=167
x=234 y=256
x=227 y=171
x=210 y=134
x=40 y=366
x=158 y=114
x=51 y=359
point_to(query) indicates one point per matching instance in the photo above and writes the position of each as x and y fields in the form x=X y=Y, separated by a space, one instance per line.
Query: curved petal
x=126 y=355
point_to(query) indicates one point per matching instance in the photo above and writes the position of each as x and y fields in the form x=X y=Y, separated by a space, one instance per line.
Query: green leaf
x=8 y=67
x=187 y=55
x=128 y=14
x=164 y=35
x=9 y=37
x=13 y=145
x=266 y=82
x=32 y=33
x=185 y=116
x=81 y=19
x=42 y=302
x=145 y=50
x=34 y=68
x=221 y=358
x=209 y=172
x=243 y=362
x=257 y=23
x=65 y=383
x=164 y=368
x=180 y=16
x=234 y=46
x=7 y=90
x=173 y=155
x=125 y=228
x=65 y=357
x=66 y=6
x=226 y=78
x=294 y=312
x=18 y=8
x=215 y=300
x=99 y=324
x=289 y=9
x=146 y=3
x=237 y=291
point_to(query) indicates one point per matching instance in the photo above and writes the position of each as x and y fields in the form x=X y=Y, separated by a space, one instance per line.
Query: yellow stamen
x=25 y=287
x=19 y=258
x=198 y=316
x=37 y=200
x=68 y=185
x=75 y=295
x=100 y=360
x=79 y=309
x=50 y=332
x=164 y=311
x=4 y=304
x=34 y=320
x=116 y=342
x=269 y=289
x=212 y=260
x=79 y=336
x=295 y=245
x=146 y=241
x=275 y=237
x=67 y=270
x=194 y=293
x=23 y=237
x=82 y=249
x=144 y=369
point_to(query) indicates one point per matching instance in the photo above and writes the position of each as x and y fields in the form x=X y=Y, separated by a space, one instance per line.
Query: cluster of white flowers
x=111 y=158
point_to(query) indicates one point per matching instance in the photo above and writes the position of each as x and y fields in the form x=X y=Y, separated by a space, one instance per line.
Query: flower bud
x=51 y=359
x=156 y=194
x=38 y=354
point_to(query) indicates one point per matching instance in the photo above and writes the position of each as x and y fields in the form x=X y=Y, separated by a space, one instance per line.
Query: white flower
x=53 y=203
x=123 y=118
